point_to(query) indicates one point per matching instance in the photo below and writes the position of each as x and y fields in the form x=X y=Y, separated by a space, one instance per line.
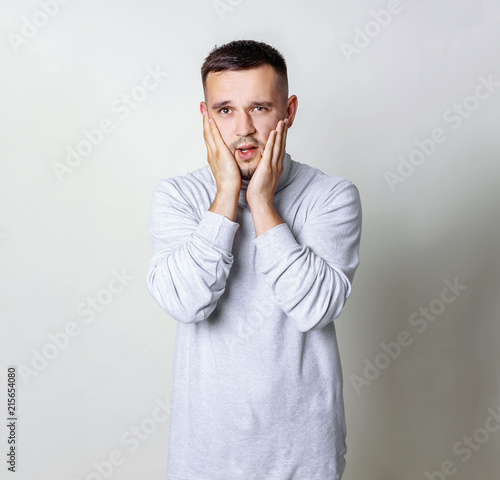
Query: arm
x=191 y=255
x=311 y=276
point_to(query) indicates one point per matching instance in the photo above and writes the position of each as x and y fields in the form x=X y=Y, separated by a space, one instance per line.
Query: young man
x=254 y=256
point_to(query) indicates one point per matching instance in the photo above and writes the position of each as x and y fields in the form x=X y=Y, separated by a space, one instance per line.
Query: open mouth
x=246 y=152
x=246 y=148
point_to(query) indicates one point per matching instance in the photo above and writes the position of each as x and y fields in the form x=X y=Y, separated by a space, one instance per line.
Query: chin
x=247 y=169
x=247 y=173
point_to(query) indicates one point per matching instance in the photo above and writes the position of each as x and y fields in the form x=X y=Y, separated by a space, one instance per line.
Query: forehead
x=242 y=84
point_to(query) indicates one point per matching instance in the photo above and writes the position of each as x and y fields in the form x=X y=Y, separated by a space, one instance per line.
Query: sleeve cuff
x=273 y=243
x=217 y=230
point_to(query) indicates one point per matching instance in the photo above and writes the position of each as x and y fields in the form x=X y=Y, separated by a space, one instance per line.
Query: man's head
x=246 y=92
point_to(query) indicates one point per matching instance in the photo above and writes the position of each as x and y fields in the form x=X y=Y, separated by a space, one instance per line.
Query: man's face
x=246 y=105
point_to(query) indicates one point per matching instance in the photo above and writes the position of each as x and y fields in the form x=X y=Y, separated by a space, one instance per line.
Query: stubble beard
x=248 y=168
x=247 y=172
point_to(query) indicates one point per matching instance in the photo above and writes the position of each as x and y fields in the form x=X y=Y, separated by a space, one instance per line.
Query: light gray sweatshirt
x=257 y=391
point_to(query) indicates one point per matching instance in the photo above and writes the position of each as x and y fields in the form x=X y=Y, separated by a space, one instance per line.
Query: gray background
x=62 y=239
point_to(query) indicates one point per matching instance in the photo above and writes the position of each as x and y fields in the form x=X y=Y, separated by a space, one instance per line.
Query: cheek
x=225 y=132
x=265 y=128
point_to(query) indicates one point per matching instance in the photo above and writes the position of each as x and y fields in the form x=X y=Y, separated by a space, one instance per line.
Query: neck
x=282 y=181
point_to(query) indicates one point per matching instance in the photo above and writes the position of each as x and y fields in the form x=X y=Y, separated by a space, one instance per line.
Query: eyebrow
x=224 y=103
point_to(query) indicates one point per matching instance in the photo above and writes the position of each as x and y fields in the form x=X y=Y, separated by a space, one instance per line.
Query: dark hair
x=243 y=55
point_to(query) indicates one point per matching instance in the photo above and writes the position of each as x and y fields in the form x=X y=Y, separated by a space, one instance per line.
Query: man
x=253 y=256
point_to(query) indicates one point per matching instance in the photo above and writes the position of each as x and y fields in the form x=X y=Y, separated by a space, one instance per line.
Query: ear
x=291 y=109
x=203 y=107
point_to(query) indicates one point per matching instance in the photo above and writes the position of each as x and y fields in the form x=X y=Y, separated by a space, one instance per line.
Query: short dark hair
x=244 y=55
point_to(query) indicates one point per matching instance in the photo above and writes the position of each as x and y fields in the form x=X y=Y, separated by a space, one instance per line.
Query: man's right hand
x=221 y=160
x=224 y=168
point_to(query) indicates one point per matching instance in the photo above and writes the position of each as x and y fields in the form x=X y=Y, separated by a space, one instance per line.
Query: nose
x=244 y=125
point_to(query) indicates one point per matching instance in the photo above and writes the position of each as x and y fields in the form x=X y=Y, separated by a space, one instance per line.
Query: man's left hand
x=264 y=181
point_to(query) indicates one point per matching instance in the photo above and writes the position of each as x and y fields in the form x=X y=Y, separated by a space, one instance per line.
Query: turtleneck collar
x=283 y=181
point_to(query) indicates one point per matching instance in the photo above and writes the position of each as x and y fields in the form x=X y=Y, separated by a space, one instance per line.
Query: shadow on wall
x=433 y=375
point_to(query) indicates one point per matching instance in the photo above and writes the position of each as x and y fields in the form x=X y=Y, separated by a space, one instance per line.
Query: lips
x=246 y=147
x=246 y=152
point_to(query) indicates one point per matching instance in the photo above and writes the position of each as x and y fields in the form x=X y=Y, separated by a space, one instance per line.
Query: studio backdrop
x=100 y=100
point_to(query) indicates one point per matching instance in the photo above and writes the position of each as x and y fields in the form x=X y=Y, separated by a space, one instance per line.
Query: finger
x=217 y=137
x=268 y=150
x=272 y=136
x=282 y=140
x=285 y=134
x=207 y=133
x=277 y=150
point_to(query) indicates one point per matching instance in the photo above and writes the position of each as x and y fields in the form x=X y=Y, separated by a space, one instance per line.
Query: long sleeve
x=311 y=276
x=191 y=255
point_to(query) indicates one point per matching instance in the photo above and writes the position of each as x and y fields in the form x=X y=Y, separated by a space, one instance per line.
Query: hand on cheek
x=264 y=182
x=220 y=158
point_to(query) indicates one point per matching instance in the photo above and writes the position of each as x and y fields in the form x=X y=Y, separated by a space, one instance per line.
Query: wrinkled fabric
x=257 y=391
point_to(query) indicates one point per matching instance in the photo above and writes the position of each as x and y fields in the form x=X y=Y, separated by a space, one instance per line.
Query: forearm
x=188 y=282
x=191 y=255
x=306 y=287
x=265 y=216
x=225 y=204
x=311 y=275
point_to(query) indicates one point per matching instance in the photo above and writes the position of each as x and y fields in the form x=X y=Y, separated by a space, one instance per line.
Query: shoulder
x=191 y=181
x=322 y=186
x=191 y=184
x=194 y=189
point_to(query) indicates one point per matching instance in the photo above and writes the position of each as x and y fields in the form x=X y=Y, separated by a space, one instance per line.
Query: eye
x=223 y=112
x=261 y=109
